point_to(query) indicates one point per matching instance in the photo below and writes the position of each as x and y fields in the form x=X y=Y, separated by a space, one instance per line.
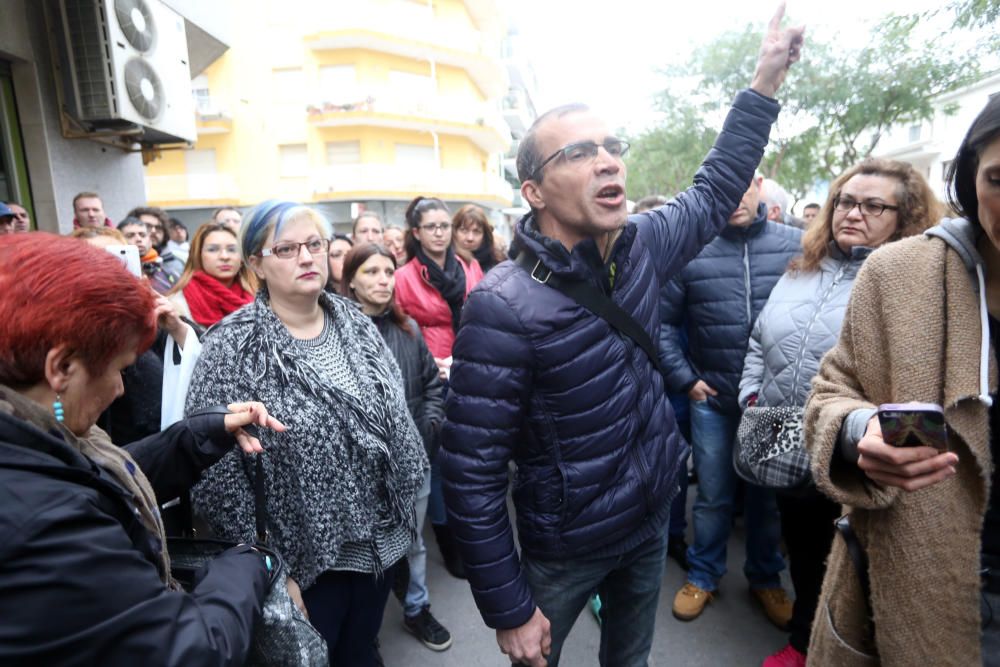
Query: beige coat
x=911 y=333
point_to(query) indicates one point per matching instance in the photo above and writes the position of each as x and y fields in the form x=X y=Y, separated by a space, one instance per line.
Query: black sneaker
x=677 y=549
x=426 y=628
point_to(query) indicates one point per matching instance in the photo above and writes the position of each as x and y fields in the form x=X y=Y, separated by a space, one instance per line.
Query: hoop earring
x=57 y=409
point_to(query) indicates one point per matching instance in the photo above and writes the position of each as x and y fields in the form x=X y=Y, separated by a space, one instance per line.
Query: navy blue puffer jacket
x=719 y=295
x=580 y=409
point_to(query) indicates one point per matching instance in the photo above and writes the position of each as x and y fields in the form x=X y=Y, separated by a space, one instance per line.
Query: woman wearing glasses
x=341 y=482
x=215 y=281
x=923 y=325
x=872 y=203
x=432 y=288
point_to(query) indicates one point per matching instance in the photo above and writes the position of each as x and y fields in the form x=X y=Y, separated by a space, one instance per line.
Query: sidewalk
x=732 y=631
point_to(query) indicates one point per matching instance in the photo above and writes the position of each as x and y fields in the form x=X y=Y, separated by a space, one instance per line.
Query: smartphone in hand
x=913 y=425
x=128 y=255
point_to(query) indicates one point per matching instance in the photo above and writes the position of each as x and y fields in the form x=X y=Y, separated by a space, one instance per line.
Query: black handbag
x=283 y=636
x=769 y=449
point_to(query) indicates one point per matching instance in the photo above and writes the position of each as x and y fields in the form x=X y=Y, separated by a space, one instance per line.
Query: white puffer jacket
x=799 y=324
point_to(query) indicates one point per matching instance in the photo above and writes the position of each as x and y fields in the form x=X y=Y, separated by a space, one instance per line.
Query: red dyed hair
x=56 y=290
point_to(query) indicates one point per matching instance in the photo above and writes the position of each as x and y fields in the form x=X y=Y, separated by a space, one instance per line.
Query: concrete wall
x=58 y=168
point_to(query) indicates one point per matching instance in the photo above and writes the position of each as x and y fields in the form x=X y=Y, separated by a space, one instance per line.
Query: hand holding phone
x=913 y=425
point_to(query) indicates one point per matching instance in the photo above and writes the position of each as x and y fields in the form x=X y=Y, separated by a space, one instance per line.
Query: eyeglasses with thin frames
x=291 y=249
x=867 y=207
x=436 y=227
x=585 y=151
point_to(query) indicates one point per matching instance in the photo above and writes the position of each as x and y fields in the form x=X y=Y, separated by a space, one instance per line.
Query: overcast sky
x=605 y=53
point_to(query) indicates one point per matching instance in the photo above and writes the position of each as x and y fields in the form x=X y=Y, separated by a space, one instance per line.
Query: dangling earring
x=57 y=409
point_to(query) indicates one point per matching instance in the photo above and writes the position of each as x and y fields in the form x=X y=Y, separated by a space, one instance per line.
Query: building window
x=202 y=179
x=293 y=160
x=338 y=84
x=201 y=93
x=418 y=157
x=914 y=133
x=200 y=161
x=343 y=152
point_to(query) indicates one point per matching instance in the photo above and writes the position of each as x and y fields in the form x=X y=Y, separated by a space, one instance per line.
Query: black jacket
x=79 y=577
x=420 y=378
x=719 y=295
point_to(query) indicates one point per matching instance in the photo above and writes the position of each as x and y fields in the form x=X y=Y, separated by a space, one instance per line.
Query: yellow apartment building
x=347 y=105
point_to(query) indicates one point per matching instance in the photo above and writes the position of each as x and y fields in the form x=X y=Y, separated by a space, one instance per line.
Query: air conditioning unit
x=125 y=67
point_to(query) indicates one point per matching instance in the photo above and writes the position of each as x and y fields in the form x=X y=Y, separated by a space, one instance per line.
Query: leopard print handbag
x=770 y=448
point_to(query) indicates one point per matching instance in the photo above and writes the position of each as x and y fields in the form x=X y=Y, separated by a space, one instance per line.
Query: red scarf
x=209 y=300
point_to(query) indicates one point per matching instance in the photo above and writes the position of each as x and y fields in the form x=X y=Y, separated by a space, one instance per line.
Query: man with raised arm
x=575 y=401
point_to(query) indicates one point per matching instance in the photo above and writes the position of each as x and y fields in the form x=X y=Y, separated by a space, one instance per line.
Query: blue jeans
x=629 y=586
x=713 y=435
x=416 y=593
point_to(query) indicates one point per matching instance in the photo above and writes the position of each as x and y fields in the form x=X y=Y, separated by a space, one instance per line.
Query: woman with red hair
x=85 y=572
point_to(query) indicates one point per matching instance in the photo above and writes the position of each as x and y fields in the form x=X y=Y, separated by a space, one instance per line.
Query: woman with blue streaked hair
x=341 y=482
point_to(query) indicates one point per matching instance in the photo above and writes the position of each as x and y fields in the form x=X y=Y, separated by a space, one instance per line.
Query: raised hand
x=779 y=50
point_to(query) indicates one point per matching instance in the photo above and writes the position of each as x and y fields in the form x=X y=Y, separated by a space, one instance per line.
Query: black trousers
x=346 y=608
x=807 y=527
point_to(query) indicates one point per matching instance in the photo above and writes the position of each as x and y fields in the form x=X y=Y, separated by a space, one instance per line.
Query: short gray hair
x=528 y=159
x=775 y=195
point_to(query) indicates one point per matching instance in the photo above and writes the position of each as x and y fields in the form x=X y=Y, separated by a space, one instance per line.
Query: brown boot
x=690 y=601
x=777 y=606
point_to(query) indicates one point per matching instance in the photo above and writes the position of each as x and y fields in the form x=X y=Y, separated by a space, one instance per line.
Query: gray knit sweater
x=346 y=471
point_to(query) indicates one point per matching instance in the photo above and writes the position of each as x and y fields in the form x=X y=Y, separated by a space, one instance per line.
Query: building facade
x=348 y=106
x=44 y=160
x=930 y=145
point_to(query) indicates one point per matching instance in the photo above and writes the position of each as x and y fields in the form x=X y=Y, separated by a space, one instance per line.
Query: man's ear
x=532 y=194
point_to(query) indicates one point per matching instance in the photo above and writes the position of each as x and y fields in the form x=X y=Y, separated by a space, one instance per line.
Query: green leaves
x=837 y=103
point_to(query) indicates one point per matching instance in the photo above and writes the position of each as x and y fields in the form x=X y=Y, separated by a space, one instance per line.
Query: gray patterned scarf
x=348 y=467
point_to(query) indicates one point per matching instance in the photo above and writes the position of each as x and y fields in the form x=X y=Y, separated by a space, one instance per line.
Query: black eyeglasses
x=290 y=249
x=585 y=151
x=867 y=207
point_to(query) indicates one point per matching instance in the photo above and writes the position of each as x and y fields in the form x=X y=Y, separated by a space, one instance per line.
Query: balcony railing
x=434 y=113
x=386 y=178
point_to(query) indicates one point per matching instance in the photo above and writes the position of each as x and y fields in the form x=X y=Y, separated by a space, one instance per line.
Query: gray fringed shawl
x=346 y=470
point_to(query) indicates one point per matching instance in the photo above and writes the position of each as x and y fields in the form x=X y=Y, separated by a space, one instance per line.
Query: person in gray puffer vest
x=719 y=295
x=872 y=203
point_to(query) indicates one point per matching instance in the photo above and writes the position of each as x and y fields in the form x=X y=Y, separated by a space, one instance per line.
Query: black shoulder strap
x=594 y=300
x=860 y=560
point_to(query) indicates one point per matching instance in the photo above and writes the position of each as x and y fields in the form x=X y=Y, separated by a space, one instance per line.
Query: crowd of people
x=368 y=383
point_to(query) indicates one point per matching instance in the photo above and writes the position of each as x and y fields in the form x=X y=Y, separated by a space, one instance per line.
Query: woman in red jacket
x=433 y=285
x=432 y=288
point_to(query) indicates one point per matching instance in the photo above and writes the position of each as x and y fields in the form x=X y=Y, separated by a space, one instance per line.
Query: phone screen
x=913 y=425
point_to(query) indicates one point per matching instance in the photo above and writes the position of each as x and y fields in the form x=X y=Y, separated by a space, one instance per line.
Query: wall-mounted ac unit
x=125 y=66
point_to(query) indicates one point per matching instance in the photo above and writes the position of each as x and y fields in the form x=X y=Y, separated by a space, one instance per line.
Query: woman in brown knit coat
x=919 y=328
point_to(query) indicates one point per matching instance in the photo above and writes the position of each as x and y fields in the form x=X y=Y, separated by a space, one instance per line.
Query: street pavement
x=732 y=631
